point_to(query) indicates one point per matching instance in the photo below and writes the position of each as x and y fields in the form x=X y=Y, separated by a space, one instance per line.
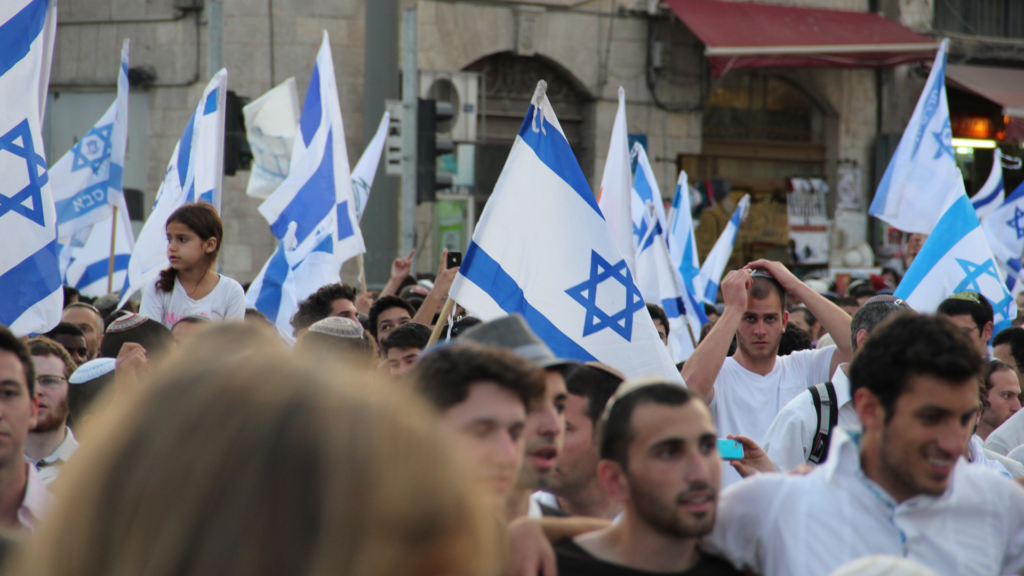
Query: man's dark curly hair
x=318 y=305
x=911 y=345
x=444 y=376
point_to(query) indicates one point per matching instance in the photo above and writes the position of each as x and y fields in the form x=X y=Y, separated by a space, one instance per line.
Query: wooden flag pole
x=362 y=274
x=110 y=265
x=435 y=334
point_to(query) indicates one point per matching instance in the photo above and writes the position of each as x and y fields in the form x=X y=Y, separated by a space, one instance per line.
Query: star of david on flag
x=542 y=249
x=621 y=322
x=87 y=181
x=1004 y=232
x=31 y=298
x=957 y=258
x=911 y=193
x=28 y=201
x=93 y=149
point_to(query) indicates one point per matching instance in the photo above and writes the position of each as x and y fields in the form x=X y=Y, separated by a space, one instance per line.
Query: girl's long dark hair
x=201 y=218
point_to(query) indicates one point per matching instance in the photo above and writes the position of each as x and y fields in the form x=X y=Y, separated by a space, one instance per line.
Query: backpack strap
x=826 y=406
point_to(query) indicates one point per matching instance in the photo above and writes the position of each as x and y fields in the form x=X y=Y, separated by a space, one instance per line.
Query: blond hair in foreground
x=252 y=463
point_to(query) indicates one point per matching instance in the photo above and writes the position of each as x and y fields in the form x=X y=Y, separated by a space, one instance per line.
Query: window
x=755 y=107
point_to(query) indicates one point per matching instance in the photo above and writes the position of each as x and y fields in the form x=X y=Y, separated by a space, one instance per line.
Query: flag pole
x=435 y=334
x=362 y=273
x=690 y=330
x=110 y=265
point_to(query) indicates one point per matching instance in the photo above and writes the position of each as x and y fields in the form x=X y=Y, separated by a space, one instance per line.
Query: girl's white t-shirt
x=225 y=302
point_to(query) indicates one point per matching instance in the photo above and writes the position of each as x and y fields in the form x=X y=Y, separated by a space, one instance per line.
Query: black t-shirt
x=575 y=561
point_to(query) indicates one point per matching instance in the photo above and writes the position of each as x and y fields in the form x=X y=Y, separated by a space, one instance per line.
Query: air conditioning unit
x=461 y=90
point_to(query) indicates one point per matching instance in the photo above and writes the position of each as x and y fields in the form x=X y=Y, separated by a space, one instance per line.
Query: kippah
x=92 y=370
x=968 y=296
x=338 y=327
x=889 y=299
x=127 y=322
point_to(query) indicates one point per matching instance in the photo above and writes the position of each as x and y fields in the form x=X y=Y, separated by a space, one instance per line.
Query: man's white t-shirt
x=225 y=302
x=746 y=403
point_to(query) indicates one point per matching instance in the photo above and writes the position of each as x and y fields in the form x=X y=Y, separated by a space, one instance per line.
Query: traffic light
x=429 y=147
x=237 y=154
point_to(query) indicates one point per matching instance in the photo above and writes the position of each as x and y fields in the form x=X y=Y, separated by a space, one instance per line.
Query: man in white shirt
x=900 y=488
x=1002 y=390
x=790 y=439
x=747 y=390
x=23 y=497
x=50 y=443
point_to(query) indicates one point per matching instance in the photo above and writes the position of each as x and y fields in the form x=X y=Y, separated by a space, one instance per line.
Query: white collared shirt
x=1009 y=435
x=746 y=403
x=49 y=468
x=789 y=438
x=790 y=525
x=37 y=500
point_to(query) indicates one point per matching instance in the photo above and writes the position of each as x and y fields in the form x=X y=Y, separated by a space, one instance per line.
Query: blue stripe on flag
x=309 y=121
x=124 y=68
x=313 y=201
x=556 y=154
x=674 y=307
x=85 y=201
x=344 y=222
x=711 y=291
x=29 y=282
x=18 y=33
x=185 y=149
x=1015 y=195
x=643 y=187
x=116 y=180
x=269 y=300
x=991 y=196
x=211 y=103
x=950 y=230
x=98 y=270
x=489 y=276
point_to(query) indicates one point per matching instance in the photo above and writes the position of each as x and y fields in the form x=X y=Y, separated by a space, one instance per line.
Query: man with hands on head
x=746 y=391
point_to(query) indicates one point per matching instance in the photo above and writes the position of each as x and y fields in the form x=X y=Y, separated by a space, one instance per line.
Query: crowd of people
x=185 y=436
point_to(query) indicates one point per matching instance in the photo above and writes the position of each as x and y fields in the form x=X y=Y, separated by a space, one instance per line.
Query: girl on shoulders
x=191 y=286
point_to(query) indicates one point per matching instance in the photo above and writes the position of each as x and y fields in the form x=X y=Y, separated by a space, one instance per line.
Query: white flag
x=956 y=258
x=318 y=188
x=993 y=192
x=714 y=265
x=558 y=267
x=31 y=298
x=271 y=122
x=615 y=196
x=87 y=181
x=194 y=174
x=366 y=169
x=911 y=194
x=90 y=264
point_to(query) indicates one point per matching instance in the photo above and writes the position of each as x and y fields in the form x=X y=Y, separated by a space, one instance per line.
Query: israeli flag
x=31 y=298
x=714 y=265
x=656 y=277
x=319 y=186
x=366 y=169
x=291 y=275
x=911 y=192
x=956 y=258
x=991 y=195
x=1004 y=232
x=542 y=249
x=87 y=180
x=90 y=264
x=682 y=244
x=615 y=196
x=194 y=174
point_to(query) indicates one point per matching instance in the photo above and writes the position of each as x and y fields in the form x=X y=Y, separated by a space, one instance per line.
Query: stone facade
x=598 y=46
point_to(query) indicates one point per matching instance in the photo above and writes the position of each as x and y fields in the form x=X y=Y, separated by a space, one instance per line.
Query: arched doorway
x=509 y=82
x=759 y=130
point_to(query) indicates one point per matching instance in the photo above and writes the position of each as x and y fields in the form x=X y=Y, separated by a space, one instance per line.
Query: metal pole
x=215 y=22
x=410 y=93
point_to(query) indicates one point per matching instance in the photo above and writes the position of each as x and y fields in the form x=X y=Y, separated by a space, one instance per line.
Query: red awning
x=1000 y=85
x=749 y=35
